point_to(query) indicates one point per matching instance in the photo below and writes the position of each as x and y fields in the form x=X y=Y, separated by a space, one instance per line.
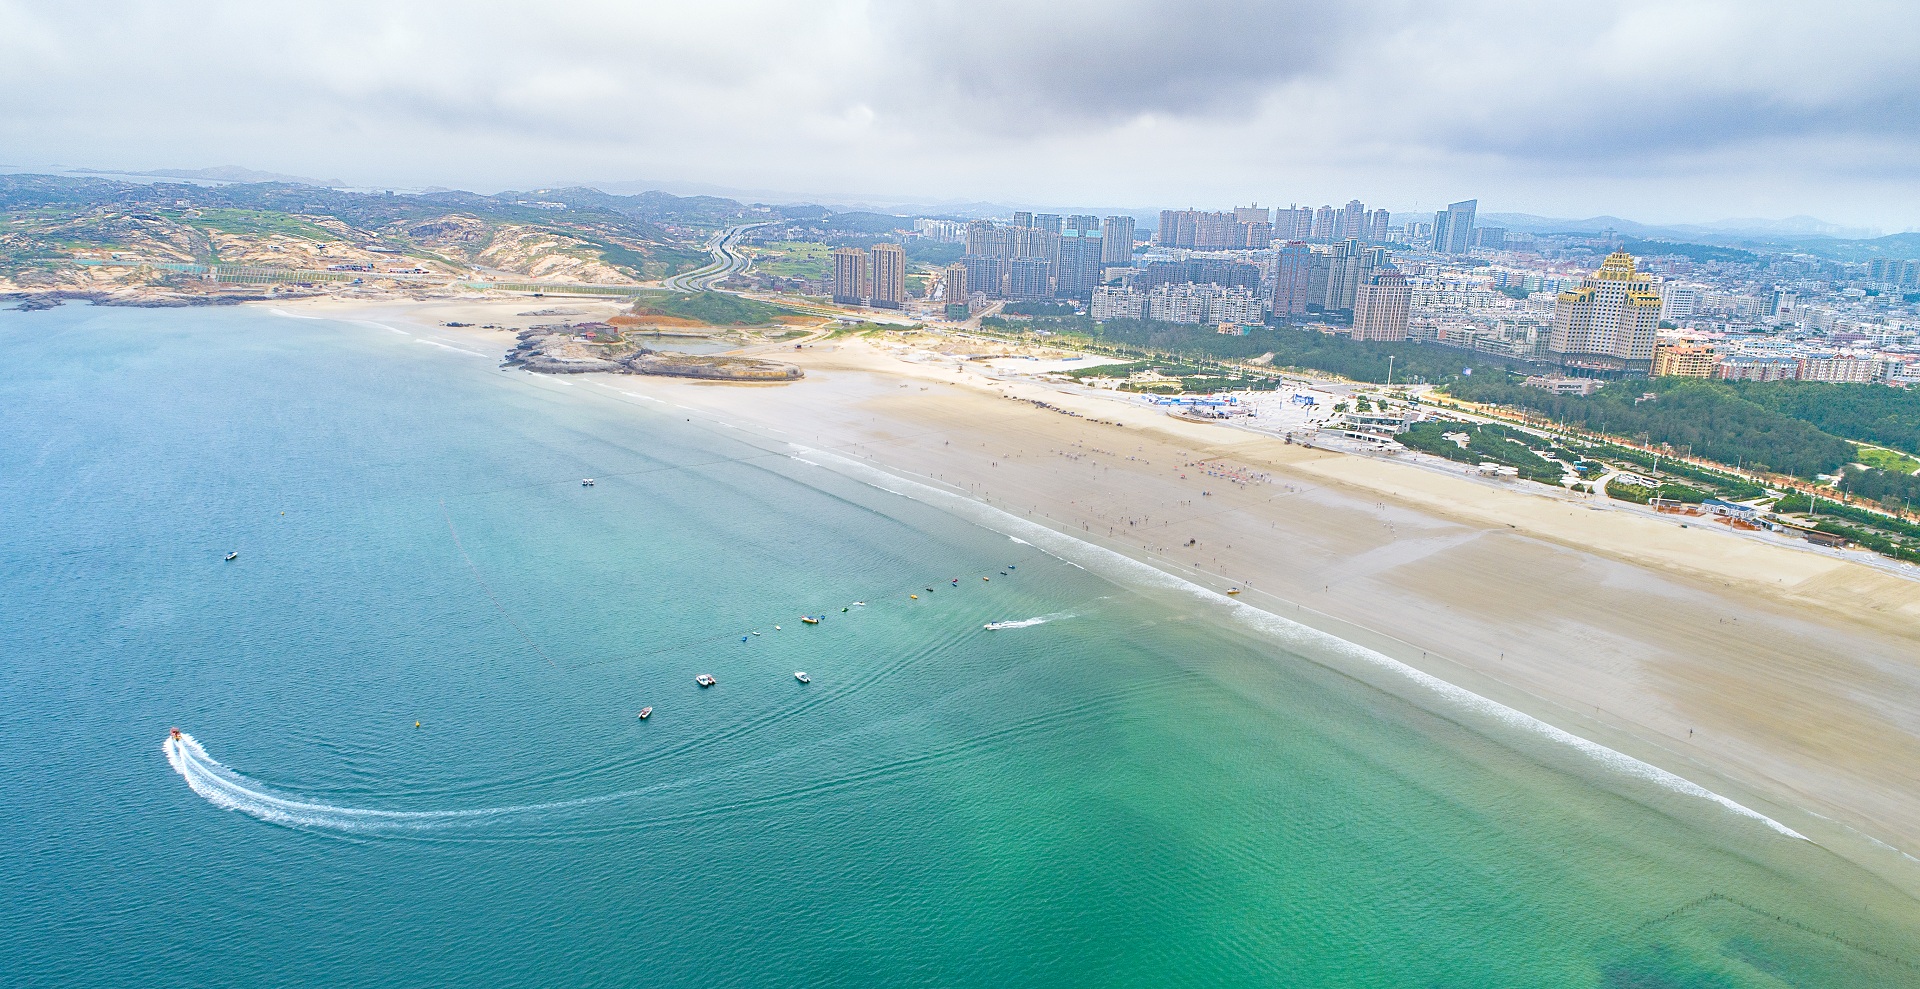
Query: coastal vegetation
x=1476 y=443
x=708 y=308
x=1690 y=415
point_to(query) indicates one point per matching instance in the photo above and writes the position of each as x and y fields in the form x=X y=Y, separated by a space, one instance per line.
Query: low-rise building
x=1562 y=385
x=1685 y=360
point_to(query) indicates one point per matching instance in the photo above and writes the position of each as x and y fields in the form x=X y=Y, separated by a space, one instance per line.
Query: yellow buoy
x=416 y=724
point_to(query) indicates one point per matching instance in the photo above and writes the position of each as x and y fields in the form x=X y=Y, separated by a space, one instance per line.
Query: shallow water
x=1145 y=788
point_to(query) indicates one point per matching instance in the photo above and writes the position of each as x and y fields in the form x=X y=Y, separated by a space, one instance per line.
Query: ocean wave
x=1126 y=569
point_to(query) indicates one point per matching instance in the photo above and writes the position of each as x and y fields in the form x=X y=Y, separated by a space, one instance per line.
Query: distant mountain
x=1720 y=231
x=221 y=173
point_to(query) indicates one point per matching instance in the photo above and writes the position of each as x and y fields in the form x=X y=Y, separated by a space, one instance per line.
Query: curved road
x=726 y=261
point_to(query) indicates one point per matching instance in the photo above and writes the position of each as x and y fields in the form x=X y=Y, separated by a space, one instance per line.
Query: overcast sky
x=1665 y=112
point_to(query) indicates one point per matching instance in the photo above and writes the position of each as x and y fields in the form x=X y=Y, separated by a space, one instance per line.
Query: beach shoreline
x=1779 y=678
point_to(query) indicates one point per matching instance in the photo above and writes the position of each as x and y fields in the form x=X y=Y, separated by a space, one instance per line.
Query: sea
x=410 y=755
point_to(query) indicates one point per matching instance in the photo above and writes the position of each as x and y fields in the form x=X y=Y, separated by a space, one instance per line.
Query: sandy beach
x=1786 y=679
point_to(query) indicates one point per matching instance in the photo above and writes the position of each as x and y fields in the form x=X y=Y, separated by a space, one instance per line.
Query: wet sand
x=1784 y=678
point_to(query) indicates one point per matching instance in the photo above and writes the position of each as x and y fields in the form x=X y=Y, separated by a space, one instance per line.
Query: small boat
x=1012 y=567
x=802 y=677
x=230 y=557
x=776 y=628
x=916 y=597
x=705 y=680
x=1233 y=590
x=176 y=733
x=956 y=582
x=997 y=626
x=586 y=482
x=743 y=638
x=756 y=633
x=845 y=610
x=859 y=604
x=929 y=590
x=810 y=620
x=986 y=578
x=644 y=712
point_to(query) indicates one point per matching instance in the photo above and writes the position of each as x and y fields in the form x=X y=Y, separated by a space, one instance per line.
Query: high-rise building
x=1350 y=222
x=1028 y=278
x=1490 y=238
x=1293 y=223
x=1453 y=228
x=849 y=275
x=1080 y=223
x=1610 y=322
x=1023 y=219
x=1116 y=240
x=1288 y=295
x=1047 y=221
x=1380 y=307
x=1079 y=268
x=1252 y=214
x=955 y=284
x=1323 y=224
x=1376 y=226
x=888 y=288
x=986 y=275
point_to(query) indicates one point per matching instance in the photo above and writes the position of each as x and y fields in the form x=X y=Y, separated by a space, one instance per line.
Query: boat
x=756 y=633
x=776 y=628
x=705 y=680
x=916 y=597
x=997 y=626
x=230 y=557
x=802 y=677
x=176 y=733
x=1233 y=590
x=859 y=604
x=644 y=712
x=810 y=620
x=586 y=482
x=929 y=590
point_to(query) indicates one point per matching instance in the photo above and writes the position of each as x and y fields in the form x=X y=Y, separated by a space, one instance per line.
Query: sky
x=1676 y=111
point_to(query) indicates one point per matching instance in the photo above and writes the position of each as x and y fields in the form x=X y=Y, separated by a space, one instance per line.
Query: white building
x=1118 y=303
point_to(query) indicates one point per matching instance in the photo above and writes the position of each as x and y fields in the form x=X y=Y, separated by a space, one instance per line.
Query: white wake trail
x=225 y=788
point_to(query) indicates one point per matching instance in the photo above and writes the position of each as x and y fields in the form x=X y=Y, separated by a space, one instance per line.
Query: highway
x=726 y=261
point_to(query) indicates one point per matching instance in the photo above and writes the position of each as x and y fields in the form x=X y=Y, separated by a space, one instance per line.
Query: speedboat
x=644 y=712
x=810 y=620
x=1233 y=590
x=705 y=680
x=802 y=677
x=997 y=626
x=586 y=482
x=859 y=604
x=230 y=557
x=176 y=733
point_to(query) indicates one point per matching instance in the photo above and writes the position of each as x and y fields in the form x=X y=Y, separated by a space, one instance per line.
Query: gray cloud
x=1682 y=110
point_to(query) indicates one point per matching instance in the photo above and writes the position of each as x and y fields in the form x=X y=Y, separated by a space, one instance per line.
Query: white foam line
x=1060 y=544
x=446 y=346
x=390 y=329
x=293 y=315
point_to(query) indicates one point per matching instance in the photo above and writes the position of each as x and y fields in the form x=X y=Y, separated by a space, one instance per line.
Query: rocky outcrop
x=561 y=350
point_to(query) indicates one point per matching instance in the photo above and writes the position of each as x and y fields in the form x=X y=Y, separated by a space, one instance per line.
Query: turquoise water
x=1143 y=789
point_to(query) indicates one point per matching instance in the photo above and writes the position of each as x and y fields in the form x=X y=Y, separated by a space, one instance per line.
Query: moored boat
x=705 y=680
x=644 y=712
x=802 y=677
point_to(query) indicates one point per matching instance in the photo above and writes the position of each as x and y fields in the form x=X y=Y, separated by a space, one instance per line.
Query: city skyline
x=1737 y=110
